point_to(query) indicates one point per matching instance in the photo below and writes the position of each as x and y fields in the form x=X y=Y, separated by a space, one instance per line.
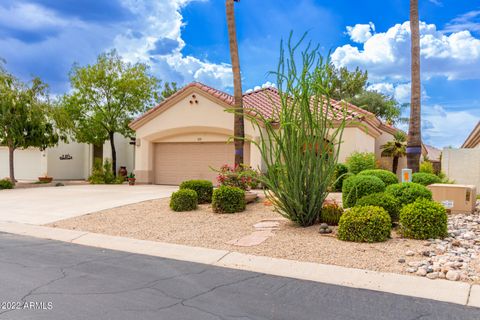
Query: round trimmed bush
x=386 y=176
x=6 y=184
x=331 y=213
x=228 y=199
x=382 y=200
x=408 y=192
x=203 y=188
x=359 y=186
x=423 y=219
x=425 y=178
x=364 y=224
x=184 y=200
x=340 y=174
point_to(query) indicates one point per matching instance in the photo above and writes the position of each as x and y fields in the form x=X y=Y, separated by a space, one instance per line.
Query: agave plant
x=300 y=143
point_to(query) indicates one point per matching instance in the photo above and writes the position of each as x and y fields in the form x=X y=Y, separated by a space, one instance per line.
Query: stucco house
x=473 y=139
x=189 y=133
x=67 y=161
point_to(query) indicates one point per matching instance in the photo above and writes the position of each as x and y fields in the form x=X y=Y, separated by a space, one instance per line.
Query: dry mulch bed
x=153 y=220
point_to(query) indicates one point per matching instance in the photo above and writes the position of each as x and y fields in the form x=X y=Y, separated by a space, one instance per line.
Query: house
x=188 y=135
x=463 y=165
x=67 y=161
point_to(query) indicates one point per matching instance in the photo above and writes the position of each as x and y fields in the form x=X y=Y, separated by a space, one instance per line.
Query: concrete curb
x=440 y=290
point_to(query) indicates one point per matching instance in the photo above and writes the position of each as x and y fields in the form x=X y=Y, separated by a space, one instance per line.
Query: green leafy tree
x=396 y=149
x=351 y=86
x=26 y=117
x=105 y=97
x=168 y=89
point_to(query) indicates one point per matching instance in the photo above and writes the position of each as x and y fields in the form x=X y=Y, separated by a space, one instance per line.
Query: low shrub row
x=6 y=184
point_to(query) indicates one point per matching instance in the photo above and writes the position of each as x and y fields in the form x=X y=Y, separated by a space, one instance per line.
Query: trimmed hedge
x=203 y=188
x=365 y=224
x=184 y=200
x=331 y=213
x=359 y=186
x=423 y=219
x=386 y=176
x=228 y=199
x=340 y=174
x=359 y=161
x=425 y=179
x=383 y=200
x=6 y=184
x=408 y=192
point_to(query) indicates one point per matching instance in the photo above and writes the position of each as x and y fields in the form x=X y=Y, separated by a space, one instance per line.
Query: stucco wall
x=29 y=164
x=355 y=139
x=462 y=165
x=60 y=167
x=125 y=152
x=205 y=121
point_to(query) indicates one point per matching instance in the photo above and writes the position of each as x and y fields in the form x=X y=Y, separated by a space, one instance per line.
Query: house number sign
x=66 y=157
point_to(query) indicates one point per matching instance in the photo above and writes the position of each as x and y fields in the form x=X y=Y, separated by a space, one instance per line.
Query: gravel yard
x=153 y=220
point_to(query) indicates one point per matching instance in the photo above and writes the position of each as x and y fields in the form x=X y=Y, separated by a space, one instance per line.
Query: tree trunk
x=238 y=126
x=395 y=165
x=11 y=163
x=414 y=141
x=114 y=152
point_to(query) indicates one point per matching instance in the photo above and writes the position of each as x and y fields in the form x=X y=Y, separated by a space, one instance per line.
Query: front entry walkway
x=50 y=204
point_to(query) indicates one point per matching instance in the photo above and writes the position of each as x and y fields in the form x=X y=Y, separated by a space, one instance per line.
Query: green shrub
x=383 y=200
x=408 y=192
x=364 y=224
x=425 y=178
x=203 y=188
x=102 y=173
x=386 y=176
x=426 y=167
x=6 y=184
x=340 y=174
x=423 y=219
x=359 y=186
x=359 y=161
x=331 y=213
x=184 y=200
x=228 y=200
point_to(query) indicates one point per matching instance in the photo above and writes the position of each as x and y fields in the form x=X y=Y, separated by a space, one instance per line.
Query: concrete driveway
x=46 y=205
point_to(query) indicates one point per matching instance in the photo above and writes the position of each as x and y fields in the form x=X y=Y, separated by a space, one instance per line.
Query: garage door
x=176 y=162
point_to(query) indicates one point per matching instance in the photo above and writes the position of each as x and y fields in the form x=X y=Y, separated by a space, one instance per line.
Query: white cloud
x=360 y=33
x=442 y=128
x=467 y=21
x=386 y=55
x=400 y=91
x=160 y=21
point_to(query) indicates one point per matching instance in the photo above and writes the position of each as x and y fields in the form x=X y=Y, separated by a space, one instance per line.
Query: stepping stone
x=253 y=239
x=268 y=224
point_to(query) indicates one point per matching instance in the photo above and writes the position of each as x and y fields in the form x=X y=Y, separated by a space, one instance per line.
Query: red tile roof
x=263 y=101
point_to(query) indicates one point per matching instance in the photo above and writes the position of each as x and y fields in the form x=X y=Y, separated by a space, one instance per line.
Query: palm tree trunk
x=414 y=141
x=238 y=126
x=395 y=165
x=11 y=163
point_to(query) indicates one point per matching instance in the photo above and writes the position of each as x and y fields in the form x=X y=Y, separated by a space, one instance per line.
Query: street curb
x=439 y=290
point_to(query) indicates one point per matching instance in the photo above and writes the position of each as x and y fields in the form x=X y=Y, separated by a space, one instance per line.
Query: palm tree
x=396 y=149
x=414 y=141
x=238 y=126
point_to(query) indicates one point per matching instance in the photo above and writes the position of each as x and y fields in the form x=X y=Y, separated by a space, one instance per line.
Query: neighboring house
x=433 y=155
x=463 y=165
x=189 y=134
x=67 y=161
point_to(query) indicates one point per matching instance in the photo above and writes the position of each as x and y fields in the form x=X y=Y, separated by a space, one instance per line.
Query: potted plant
x=131 y=179
x=45 y=178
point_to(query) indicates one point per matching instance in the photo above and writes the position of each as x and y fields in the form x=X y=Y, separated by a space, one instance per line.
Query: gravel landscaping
x=454 y=258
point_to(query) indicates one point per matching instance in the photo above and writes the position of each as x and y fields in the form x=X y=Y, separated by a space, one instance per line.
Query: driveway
x=46 y=205
x=61 y=281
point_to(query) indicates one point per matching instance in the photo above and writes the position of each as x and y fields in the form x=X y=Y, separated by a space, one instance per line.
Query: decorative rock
x=401 y=260
x=421 y=272
x=324 y=229
x=432 y=275
x=452 y=275
x=409 y=253
x=412 y=270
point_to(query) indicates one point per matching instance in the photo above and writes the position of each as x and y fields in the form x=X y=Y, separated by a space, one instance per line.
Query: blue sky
x=186 y=40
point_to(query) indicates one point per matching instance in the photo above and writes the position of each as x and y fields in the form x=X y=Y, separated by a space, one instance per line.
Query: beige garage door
x=176 y=162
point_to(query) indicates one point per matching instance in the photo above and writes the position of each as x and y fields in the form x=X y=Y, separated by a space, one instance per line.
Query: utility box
x=406 y=175
x=455 y=197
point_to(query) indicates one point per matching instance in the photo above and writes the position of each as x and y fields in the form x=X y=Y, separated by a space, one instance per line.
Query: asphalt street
x=42 y=279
